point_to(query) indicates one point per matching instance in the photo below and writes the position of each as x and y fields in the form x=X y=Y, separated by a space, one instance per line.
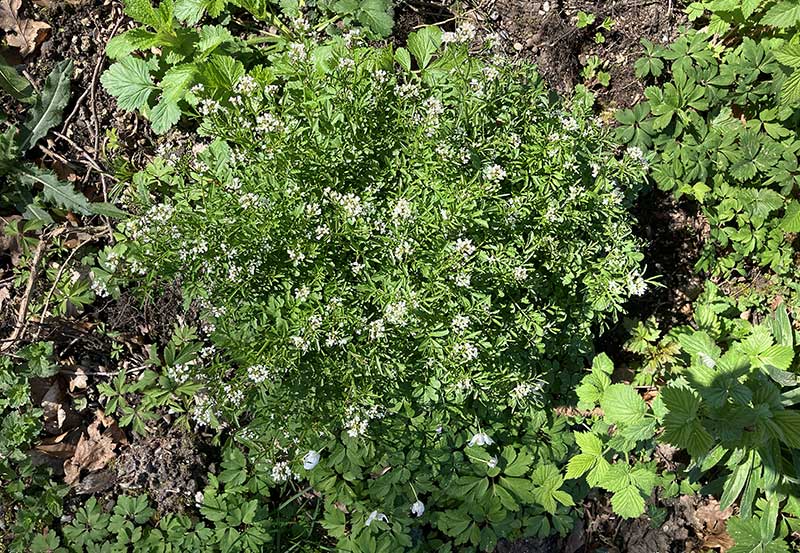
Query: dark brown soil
x=79 y=32
x=546 y=31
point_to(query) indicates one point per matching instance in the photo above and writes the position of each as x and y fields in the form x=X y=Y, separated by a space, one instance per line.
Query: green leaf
x=15 y=84
x=580 y=464
x=589 y=443
x=177 y=81
x=622 y=405
x=790 y=91
x=789 y=55
x=682 y=427
x=746 y=534
x=783 y=14
x=749 y=6
x=212 y=36
x=49 y=107
x=602 y=363
x=628 y=502
x=131 y=41
x=165 y=115
x=377 y=16
x=190 y=11
x=791 y=220
x=55 y=191
x=129 y=81
x=424 y=43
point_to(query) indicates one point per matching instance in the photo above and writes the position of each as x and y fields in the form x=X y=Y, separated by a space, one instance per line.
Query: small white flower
x=310 y=460
x=465 y=247
x=418 y=508
x=492 y=462
x=375 y=515
x=520 y=273
x=460 y=323
x=494 y=173
x=481 y=438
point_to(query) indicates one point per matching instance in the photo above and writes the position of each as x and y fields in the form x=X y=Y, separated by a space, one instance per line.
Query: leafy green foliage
x=720 y=131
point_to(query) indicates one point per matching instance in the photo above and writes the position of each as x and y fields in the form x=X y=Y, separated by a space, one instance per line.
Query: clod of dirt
x=168 y=468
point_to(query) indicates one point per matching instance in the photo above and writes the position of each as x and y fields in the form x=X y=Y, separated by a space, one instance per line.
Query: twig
x=22 y=314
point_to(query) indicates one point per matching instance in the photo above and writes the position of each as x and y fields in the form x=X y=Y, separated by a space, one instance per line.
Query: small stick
x=22 y=314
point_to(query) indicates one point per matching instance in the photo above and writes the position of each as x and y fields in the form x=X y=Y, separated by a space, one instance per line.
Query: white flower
x=520 y=273
x=375 y=515
x=395 y=313
x=465 y=247
x=460 y=323
x=418 y=508
x=481 y=438
x=463 y=280
x=494 y=173
x=492 y=462
x=401 y=211
x=310 y=460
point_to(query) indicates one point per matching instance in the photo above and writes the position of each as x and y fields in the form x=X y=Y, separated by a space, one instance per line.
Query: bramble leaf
x=130 y=82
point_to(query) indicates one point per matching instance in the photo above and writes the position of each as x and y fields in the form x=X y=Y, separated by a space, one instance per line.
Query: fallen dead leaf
x=25 y=34
x=95 y=449
x=5 y=294
x=53 y=407
x=78 y=381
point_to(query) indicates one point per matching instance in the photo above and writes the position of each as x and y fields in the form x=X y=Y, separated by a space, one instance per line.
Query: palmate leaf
x=49 y=107
x=54 y=191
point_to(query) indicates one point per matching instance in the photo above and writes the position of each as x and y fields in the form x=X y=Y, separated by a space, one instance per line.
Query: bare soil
x=546 y=32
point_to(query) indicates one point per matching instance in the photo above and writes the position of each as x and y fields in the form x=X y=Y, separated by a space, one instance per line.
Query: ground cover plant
x=373 y=296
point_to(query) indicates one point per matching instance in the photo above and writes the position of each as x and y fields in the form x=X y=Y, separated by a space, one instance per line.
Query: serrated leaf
x=130 y=41
x=15 y=84
x=177 y=81
x=791 y=219
x=54 y=191
x=129 y=81
x=622 y=405
x=782 y=15
x=602 y=363
x=579 y=465
x=49 y=107
x=589 y=443
x=190 y=11
x=212 y=36
x=746 y=534
x=790 y=91
x=749 y=6
x=628 y=502
x=164 y=115
x=789 y=55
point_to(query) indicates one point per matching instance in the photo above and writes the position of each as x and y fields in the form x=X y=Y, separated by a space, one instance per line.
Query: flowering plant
x=372 y=231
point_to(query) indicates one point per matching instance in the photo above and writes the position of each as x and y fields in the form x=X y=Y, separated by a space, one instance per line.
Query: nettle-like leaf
x=621 y=404
x=590 y=460
x=682 y=426
x=629 y=486
x=594 y=385
x=49 y=107
x=783 y=15
x=130 y=82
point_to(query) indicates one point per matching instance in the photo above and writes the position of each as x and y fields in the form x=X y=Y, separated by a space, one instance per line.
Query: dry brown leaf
x=78 y=380
x=53 y=407
x=94 y=450
x=25 y=34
